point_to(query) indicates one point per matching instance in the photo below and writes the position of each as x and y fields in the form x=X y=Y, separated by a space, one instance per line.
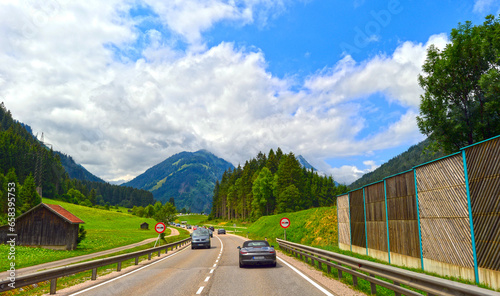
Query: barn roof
x=63 y=213
x=59 y=211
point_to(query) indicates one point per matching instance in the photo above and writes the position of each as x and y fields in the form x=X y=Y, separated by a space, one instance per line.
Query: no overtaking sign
x=285 y=222
x=160 y=227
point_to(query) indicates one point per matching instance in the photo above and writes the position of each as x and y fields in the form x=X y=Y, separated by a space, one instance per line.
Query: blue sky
x=122 y=85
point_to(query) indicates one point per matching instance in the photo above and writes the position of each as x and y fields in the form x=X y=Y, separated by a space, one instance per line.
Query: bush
x=82 y=233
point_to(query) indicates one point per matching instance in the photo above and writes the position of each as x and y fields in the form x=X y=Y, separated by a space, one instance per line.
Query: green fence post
x=476 y=272
x=364 y=211
x=387 y=224
x=349 y=212
x=418 y=218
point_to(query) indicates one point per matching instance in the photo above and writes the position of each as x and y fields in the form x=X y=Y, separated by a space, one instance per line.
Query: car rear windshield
x=256 y=244
x=201 y=231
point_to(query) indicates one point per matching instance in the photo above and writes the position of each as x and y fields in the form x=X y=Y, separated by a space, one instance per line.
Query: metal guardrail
x=354 y=266
x=55 y=273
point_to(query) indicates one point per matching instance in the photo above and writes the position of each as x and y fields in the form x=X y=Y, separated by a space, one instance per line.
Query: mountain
x=415 y=155
x=76 y=170
x=305 y=164
x=188 y=177
x=24 y=155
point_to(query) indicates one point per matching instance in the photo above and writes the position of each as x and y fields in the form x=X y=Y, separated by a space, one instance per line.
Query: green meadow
x=105 y=230
x=192 y=219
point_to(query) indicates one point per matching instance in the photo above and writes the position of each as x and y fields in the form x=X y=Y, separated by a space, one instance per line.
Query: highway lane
x=230 y=279
x=212 y=271
x=179 y=274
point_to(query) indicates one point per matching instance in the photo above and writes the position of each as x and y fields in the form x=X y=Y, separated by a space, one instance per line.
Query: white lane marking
x=199 y=290
x=212 y=270
x=306 y=278
x=151 y=264
x=216 y=261
x=206 y=280
x=215 y=265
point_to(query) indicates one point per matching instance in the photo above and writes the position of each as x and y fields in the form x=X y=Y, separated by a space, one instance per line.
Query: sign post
x=285 y=223
x=159 y=228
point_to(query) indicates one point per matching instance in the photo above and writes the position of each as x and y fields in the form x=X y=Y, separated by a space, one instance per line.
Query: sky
x=122 y=85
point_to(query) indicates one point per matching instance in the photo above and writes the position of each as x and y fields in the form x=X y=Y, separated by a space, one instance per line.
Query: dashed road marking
x=206 y=280
x=199 y=290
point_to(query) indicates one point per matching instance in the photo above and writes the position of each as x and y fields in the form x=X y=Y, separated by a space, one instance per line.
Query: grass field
x=105 y=230
x=192 y=219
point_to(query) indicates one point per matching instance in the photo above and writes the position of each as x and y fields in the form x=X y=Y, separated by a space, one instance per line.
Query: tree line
x=26 y=160
x=271 y=184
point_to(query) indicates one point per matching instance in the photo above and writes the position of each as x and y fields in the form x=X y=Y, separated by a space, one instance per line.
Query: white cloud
x=190 y=18
x=119 y=117
x=480 y=6
x=395 y=76
x=347 y=174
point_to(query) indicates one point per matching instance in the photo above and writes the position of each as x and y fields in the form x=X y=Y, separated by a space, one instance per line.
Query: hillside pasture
x=105 y=230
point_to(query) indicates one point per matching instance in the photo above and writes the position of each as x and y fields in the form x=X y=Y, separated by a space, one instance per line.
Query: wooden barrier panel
x=483 y=167
x=403 y=220
x=358 y=237
x=444 y=218
x=343 y=220
x=376 y=221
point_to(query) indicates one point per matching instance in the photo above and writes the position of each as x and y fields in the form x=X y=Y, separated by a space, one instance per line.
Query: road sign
x=160 y=227
x=285 y=222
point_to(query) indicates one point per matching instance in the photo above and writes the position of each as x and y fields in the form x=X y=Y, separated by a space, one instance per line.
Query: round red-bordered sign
x=284 y=222
x=160 y=227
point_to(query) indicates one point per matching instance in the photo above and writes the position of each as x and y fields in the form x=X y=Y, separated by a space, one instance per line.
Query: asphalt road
x=213 y=271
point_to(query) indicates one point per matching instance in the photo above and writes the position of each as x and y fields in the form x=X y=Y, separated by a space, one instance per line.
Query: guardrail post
x=94 y=274
x=320 y=266
x=136 y=260
x=119 y=266
x=159 y=253
x=354 y=278
x=373 y=287
x=339 y=271
x=149 y=256
x=396 y=293
x=53 y=286
x=328 y=269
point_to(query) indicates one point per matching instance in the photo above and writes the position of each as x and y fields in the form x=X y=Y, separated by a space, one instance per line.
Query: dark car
x=211 y=228
x=200 y=238
x=221 y=231
x=188 y=227
x=257 y=252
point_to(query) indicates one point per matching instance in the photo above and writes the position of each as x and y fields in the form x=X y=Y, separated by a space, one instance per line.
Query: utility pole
x=39 y=168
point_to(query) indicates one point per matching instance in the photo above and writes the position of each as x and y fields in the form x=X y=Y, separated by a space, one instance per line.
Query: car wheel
x=192 y=247
x=209 y=246
x=241 y=265
x=274 y=264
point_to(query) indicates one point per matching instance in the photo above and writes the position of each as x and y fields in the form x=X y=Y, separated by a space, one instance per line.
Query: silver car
x=257 y=252
x=200 y=238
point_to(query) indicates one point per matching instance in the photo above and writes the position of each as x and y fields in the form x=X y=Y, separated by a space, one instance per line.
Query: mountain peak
x=305 y=164
x=188 y=177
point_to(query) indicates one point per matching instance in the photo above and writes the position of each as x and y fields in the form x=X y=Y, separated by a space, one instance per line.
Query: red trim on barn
x=57 y=209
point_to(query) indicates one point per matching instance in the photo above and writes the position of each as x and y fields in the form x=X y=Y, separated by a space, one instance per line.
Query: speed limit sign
x=160 y=227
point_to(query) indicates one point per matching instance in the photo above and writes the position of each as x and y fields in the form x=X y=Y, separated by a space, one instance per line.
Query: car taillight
x=243 y=252
x=272 y=251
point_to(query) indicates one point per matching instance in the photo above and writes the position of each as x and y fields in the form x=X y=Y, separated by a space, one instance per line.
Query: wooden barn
x=145 y=226
x=47 y=226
